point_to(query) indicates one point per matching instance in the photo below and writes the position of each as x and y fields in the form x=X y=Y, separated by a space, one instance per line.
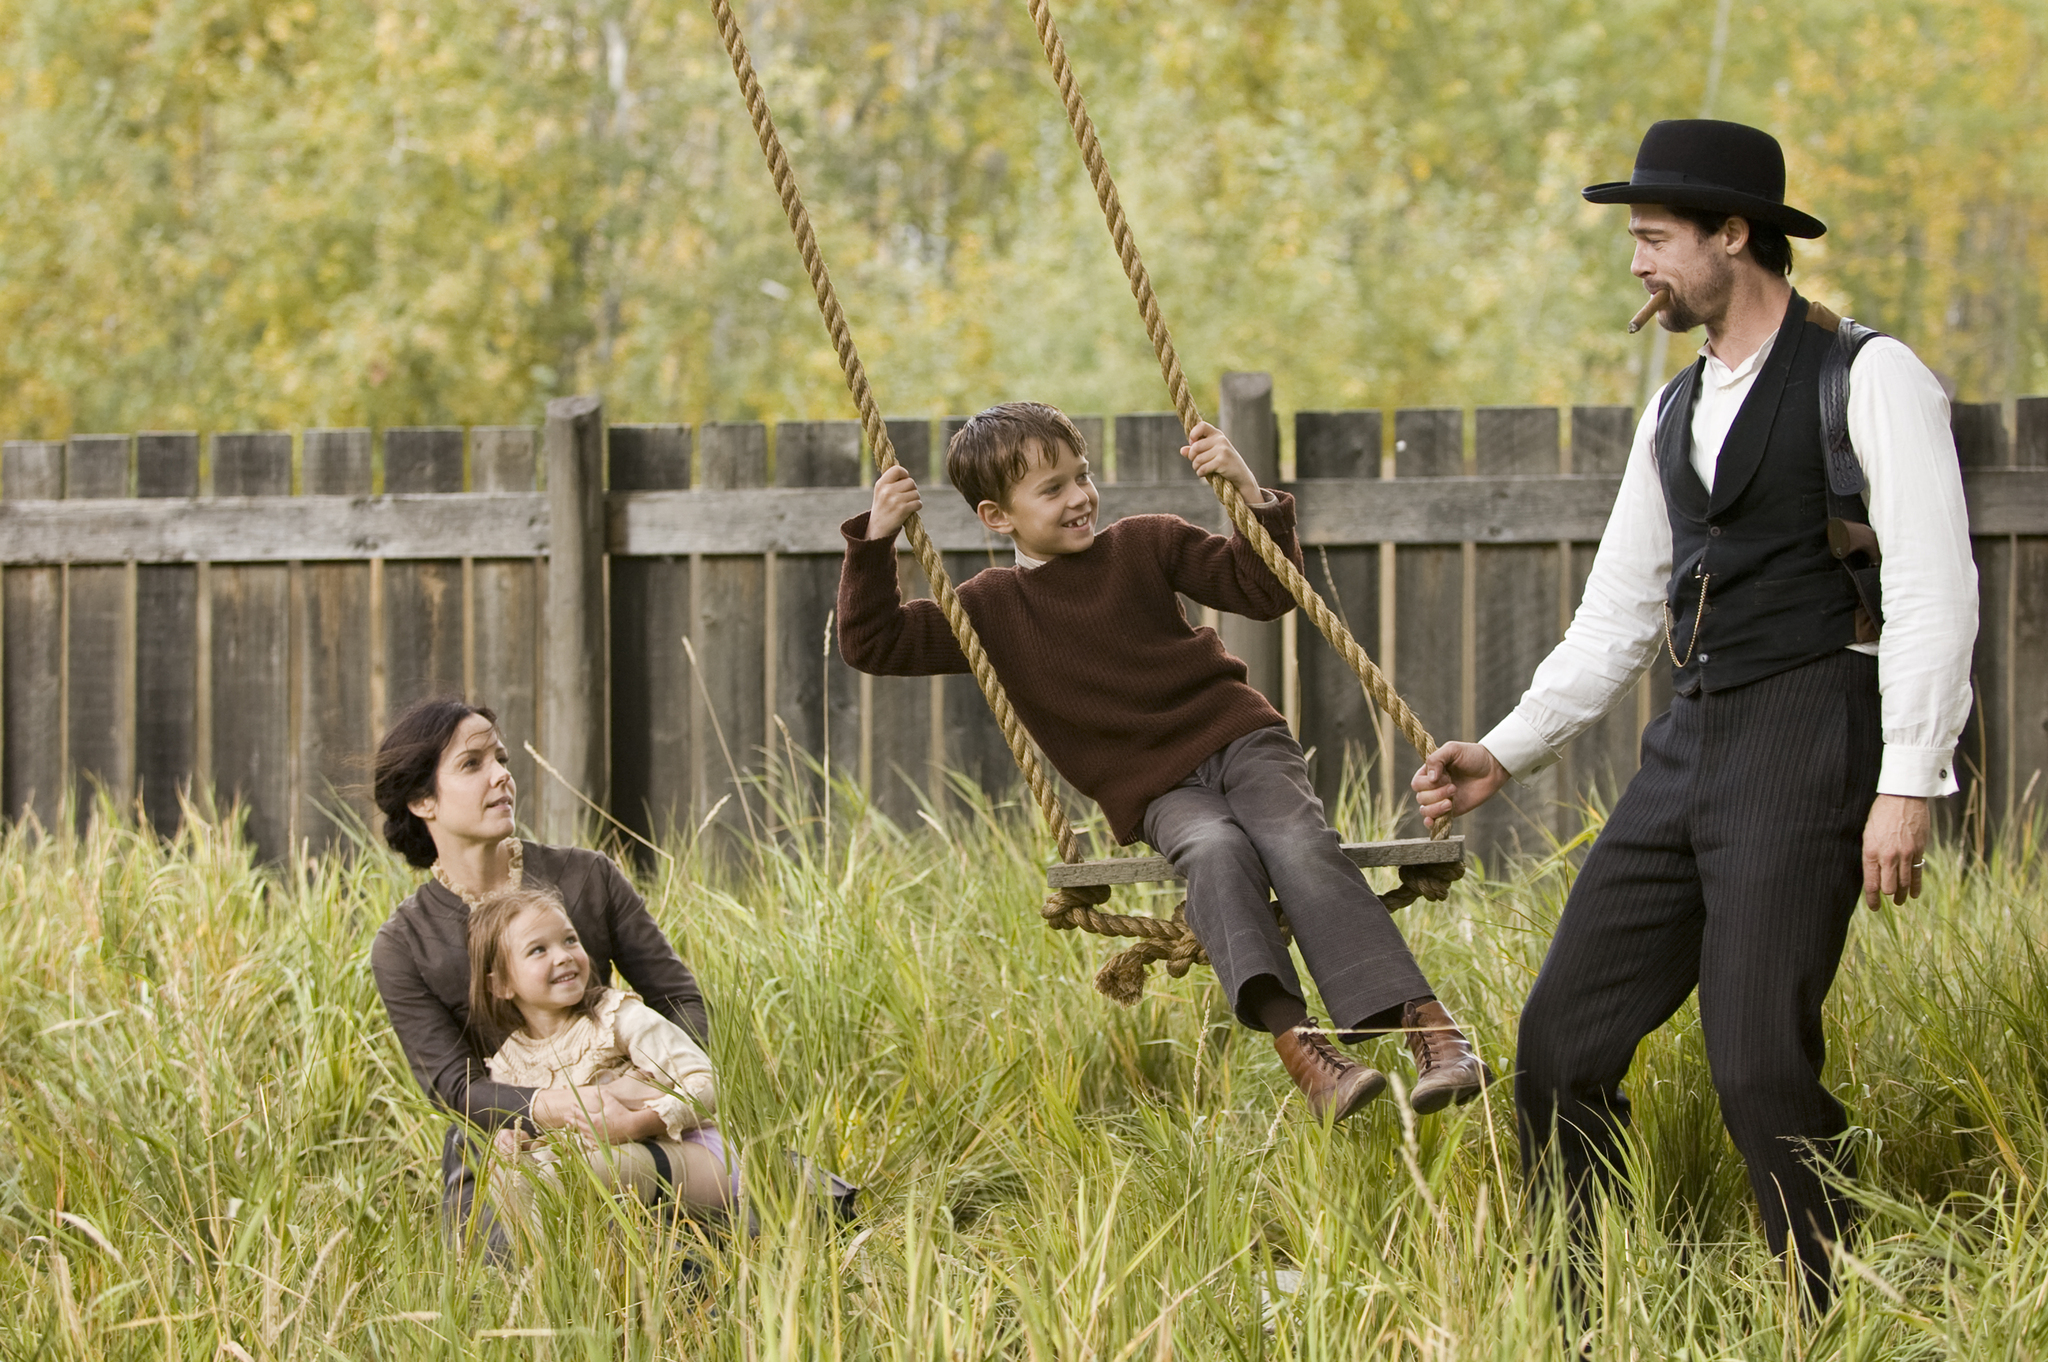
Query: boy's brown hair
x=992 y=453
x=488 y=922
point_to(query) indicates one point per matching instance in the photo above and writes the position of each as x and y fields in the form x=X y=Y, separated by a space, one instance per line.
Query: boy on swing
x=1155 y=721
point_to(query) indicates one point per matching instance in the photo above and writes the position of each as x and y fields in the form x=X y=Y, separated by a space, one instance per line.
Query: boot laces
x=1317 y=1042
x=1423 y=1041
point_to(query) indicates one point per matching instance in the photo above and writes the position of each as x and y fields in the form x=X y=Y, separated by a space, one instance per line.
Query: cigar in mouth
x=1650 y=309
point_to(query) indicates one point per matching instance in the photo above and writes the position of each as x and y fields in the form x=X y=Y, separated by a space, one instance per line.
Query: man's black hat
x=1705 y=163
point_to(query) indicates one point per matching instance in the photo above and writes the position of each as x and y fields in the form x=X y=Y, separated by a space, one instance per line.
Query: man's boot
x=1446 y=1069
x=1335 y=1084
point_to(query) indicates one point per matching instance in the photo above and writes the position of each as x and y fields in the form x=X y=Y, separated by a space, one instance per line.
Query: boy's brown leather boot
x=1335 y=1084
x=1446 y=1068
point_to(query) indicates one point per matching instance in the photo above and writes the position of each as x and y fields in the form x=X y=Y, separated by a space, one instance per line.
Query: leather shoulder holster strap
x=1849 y=531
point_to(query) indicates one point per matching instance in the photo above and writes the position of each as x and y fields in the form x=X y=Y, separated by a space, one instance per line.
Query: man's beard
x=1707 y=300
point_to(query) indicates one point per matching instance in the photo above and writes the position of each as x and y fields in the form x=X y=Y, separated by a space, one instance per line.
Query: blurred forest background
x=282 y=213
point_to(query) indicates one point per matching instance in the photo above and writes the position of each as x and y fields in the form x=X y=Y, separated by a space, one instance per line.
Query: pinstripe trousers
x=1732 y=864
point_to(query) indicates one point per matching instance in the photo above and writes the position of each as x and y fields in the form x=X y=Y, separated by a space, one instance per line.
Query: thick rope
x=1066 y=908
x=1433 y=881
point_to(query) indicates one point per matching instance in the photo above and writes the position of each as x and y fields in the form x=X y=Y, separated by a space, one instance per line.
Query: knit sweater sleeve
x=879 y=632
x=1226 y=573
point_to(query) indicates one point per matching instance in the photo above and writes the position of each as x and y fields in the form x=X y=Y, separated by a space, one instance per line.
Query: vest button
x=1703 y=659
x=1714 y=529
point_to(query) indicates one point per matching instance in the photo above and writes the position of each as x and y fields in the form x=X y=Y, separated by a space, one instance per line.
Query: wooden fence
x=649 y=605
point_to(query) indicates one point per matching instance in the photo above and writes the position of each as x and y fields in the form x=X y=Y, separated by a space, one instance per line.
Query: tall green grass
x=212 y=1147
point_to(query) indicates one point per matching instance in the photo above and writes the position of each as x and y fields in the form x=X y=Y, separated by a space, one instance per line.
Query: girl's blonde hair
x=488 y=922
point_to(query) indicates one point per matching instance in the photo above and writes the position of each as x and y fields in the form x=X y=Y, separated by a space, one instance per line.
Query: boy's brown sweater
x=1123 y=696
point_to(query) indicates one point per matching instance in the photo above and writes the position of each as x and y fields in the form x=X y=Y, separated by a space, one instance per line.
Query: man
x=1797 y=758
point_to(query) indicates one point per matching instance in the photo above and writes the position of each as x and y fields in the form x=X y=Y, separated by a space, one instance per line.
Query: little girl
x=529 y=976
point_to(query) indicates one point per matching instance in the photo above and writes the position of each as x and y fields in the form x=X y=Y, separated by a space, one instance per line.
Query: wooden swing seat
x=1148 y=869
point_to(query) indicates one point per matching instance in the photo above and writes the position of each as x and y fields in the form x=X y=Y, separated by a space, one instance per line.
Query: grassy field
x=212 y=1147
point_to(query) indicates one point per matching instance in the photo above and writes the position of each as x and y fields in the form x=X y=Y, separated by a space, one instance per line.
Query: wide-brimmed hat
x=1705 y=163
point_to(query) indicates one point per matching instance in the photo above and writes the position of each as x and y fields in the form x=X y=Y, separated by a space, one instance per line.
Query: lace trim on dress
x=514 y=876
x=605 y=1017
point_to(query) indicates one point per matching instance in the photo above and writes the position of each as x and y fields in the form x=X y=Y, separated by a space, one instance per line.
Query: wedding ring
x=1918 y=864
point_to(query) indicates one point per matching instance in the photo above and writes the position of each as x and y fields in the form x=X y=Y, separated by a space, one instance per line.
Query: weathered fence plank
x=32 y=644
x=99 y=662
x=281 y=529
x=1245 y=414
x=1985 y=750
x=1490 y=510
x=652 y=682
x=1148 y=448
x=2005 y=744
x=729 y=633
x=332 y=617
x=423 y=637
x=166 y=641
x=575 y=673
x=1504 y=510
x=250 y=663
x=1516 y=593
x=506 y=634
x=896 y=711
x=971 y=741
x=2029 y=627
x=816 y=696
x=1429 y=592
x=1601 y=759
x=1338 y=723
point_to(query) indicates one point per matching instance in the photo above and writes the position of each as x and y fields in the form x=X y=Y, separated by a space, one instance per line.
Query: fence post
x=1245 y=414
x=576 y=686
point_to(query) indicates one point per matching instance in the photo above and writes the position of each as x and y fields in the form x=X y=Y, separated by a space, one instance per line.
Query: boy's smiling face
x=1050 y=511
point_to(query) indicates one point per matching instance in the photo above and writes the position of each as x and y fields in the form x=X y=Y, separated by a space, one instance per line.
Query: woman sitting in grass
x=529 y=975
x=447 y=800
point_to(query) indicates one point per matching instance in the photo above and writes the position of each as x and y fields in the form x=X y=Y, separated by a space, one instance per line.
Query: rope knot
x=1067 y=909
x=1432 y=882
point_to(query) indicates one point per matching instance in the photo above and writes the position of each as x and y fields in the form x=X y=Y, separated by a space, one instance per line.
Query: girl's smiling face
x=473 y=796
x=542 y=968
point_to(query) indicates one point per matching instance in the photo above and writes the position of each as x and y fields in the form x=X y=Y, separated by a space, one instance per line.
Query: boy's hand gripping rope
x=1167 y=939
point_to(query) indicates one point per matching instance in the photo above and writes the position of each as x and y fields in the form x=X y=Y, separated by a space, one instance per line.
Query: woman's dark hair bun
x=407 y=760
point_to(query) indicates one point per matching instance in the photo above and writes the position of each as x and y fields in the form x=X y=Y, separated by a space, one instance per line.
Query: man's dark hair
x=1768 y=245
x=992 y=452
x=407 y=761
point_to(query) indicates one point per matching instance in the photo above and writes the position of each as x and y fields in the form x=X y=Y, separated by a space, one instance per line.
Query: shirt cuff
x=1517 y=745
x=1276 y=511
x=1917 y=772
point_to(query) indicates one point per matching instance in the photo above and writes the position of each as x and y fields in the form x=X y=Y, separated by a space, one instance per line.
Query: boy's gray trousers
x=1246 y=823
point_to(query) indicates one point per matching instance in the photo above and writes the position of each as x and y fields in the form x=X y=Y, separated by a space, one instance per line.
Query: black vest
x=1756 y=550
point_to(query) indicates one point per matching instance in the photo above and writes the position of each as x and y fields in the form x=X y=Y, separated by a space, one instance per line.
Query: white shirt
x=1898 y=422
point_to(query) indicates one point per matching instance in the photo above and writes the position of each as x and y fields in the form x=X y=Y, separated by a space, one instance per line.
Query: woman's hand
x=599 y=1114
x=633 y=1092
x=896 y=500
x=1210 y=452
x=592 y=1111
